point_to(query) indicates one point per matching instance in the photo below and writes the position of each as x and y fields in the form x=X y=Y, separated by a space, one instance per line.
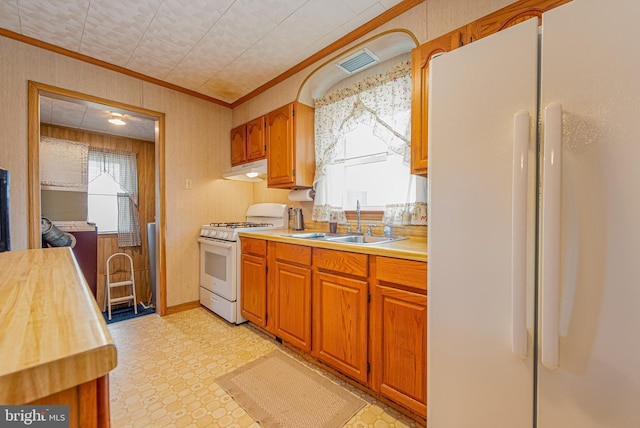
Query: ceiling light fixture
x=116 y=119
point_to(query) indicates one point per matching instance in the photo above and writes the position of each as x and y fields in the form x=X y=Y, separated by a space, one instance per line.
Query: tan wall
x=197 y=132
x=197 y=147
x=425 y=21
x=414 y=20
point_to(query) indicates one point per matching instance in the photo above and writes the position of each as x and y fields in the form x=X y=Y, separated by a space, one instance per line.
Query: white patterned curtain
x=122 y=166
x=382 y=101
x=128 y=222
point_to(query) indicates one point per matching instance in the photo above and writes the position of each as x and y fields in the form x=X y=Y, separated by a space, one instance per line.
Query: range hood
x=252 y=171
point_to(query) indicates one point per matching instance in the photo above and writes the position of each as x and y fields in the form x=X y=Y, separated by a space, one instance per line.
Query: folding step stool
x=130 y=281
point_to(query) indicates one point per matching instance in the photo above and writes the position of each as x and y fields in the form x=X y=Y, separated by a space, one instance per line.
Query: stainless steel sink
x=307 y=235
x=364 y=239
x=348 y=238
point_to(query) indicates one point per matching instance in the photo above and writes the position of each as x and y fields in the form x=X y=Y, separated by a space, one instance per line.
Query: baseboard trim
x=182 y=307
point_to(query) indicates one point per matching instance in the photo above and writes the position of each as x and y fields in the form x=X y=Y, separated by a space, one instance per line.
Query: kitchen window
x=362 y=136
x=103 y=203
x=367 y=173
x=113 y=194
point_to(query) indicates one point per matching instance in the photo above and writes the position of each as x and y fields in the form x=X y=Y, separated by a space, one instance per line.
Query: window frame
x=115 y=197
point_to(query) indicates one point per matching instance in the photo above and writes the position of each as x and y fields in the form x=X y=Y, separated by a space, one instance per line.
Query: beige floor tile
x=167 y=367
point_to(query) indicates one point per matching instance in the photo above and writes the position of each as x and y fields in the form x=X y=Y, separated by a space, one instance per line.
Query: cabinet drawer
x=298 y=254
x=254 y=246
x=340 y=261
x=402 y=272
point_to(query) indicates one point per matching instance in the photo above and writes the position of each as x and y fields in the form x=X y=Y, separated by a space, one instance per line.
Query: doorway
x=41 y=95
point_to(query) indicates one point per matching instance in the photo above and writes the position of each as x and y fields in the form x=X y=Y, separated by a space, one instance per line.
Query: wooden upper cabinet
x=256 y=144
x=248 y=143
x=508 y=16
x=483 y=27
x=239 y=145
x=420 y=58
x=290 y=147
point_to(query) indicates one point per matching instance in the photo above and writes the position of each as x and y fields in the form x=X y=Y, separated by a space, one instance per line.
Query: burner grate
x=240 y=224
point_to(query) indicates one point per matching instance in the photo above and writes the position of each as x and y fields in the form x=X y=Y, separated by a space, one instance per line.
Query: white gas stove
x=220 y=257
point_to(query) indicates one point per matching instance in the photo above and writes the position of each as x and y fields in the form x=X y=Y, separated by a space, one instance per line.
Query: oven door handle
x=227 y=246
x=217 y=244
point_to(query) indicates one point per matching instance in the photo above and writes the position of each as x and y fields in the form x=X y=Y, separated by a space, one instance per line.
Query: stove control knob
x=212 y=233
x=224 y=235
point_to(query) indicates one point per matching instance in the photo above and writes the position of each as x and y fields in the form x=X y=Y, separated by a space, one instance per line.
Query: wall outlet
x=188 y=183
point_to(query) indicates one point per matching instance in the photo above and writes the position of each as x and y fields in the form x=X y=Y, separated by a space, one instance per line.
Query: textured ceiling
x=220 y=48
x=79 y=115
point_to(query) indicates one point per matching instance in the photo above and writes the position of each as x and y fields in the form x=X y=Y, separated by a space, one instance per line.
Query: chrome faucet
x=358 y=211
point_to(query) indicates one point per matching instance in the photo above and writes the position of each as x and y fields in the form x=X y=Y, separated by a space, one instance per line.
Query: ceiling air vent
x=358 y=61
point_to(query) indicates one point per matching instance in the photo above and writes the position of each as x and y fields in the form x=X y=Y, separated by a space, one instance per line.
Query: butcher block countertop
x=410 y=249
x=52 y=333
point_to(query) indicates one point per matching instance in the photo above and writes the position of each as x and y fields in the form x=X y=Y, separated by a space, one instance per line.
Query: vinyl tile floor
x=167 y=366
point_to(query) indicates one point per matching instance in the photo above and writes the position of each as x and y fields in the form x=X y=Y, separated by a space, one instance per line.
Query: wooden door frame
x=34 y=234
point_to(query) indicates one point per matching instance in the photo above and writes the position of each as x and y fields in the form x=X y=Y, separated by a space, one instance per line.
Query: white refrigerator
x=534 y=224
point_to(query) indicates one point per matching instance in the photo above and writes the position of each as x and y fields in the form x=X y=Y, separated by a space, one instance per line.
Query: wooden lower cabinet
x=88 y=403
x=290 y=284
x=399 y=332
x=253 y=288
x=340 y=312
x=318 y=300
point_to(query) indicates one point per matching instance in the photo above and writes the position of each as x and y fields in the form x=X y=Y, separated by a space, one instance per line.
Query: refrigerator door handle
x=521 y=132
x=551 y=203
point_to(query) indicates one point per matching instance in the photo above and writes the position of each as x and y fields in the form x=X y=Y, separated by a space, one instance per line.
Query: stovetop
x=259 y=217
x=239 y=225
x=229 y=231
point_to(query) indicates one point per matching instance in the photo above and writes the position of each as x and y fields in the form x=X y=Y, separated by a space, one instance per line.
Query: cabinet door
x=292 y=292
x=254 y=289
x=508 y=16
x=399 y=346
x=340 y=323
x=256 y=146
x=238 y=145
x=420 y=94
x=280 y=148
